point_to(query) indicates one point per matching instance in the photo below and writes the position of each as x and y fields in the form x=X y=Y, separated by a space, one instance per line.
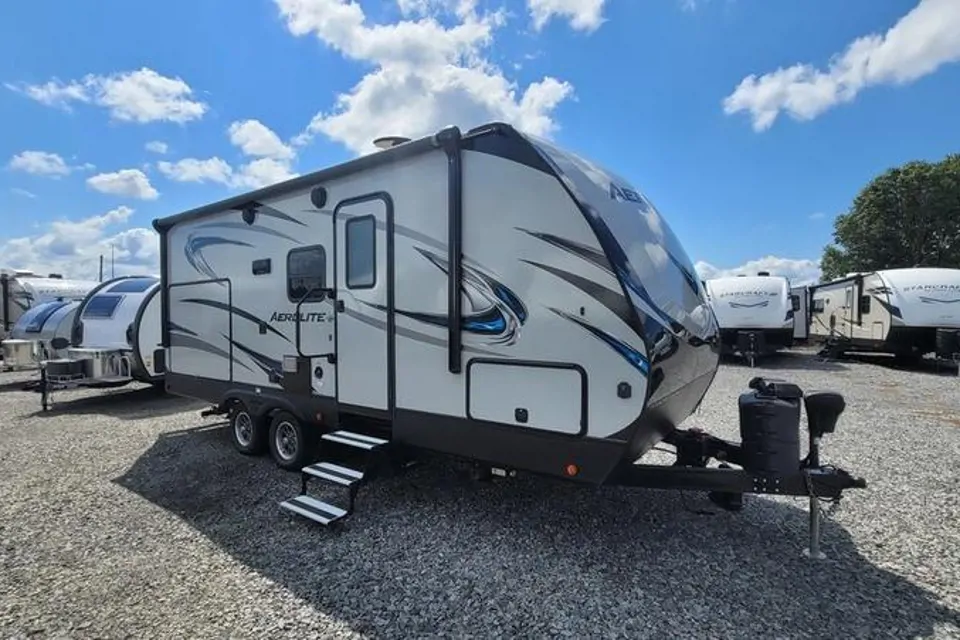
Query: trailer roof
x=393 y=154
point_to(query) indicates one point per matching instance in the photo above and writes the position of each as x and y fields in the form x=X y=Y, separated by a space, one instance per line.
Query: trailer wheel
x=247 y=433
x=290 y=444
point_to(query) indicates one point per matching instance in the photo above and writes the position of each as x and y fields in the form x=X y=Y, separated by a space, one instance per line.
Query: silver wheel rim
x=243 y=428
x=286 y=440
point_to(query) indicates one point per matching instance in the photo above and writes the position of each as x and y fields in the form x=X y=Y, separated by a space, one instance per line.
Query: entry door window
x=361 y=236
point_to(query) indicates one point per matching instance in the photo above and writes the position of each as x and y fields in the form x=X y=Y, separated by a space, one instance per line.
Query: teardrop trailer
x=484 y=295
x=114 y=334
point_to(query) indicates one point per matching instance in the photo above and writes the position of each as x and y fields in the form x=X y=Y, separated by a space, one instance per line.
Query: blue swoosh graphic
x=628 y=353
x=929 y=300
x=500 y=322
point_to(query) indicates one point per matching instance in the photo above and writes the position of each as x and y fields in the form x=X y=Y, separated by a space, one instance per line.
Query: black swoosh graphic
x=246 y=315
x=190 y=342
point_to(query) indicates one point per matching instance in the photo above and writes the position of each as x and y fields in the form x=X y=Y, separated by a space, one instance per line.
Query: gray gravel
x=123 y=513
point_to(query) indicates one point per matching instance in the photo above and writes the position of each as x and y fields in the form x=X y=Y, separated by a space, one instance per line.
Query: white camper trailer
x=115 y=332
x=20 y=290
x=799 y=298
x=905 y=312
x=485 y=295
x=31 y=339
x=755 y=314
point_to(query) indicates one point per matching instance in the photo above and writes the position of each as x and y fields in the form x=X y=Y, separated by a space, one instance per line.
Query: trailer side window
x=864 y=305
x=101 y=306
x=361 y=252
x=306 y=274
x=817 y=305
x=795 y=302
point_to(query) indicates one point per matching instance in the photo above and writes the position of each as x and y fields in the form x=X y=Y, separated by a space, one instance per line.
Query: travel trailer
x=20 y=290
x=484 y=295
x=115 y=332
x=755 y=314
x=30 y=341
x=799 y=297
x=905 y=312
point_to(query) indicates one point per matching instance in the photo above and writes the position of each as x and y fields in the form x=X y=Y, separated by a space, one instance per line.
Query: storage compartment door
x=546 y=396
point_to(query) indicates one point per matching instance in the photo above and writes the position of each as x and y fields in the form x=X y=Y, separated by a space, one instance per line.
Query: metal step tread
x=313 y=509
x=334 y=473
x=358 y=440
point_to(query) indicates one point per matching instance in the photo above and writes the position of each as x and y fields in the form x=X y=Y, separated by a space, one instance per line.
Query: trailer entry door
x=364 y=305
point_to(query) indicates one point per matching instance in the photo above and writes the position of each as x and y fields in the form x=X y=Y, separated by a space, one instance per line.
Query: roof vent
x=56 y=276
x=763 y=273
x=387 y=142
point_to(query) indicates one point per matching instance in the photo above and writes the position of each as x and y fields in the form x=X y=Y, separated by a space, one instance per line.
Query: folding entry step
x=334 y=473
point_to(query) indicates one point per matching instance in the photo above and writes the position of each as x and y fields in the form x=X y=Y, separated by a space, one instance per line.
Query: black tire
x=291 y=446
x=247 y=433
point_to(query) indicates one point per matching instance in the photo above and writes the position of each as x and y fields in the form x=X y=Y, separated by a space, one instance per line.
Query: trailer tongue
x=768 y=455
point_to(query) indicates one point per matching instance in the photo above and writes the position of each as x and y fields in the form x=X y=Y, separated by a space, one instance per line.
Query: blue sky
x=748 y=171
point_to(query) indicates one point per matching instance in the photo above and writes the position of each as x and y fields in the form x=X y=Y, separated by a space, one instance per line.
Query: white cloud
x=43 y=163
x=131 y=183
x=425 y=75
x=131 y=96
x=22 y=192
x=196 y=170
x=252 y=175
x=157 y=146
x=799 y=272
x=583 y=15
x=461 y=8
x=256 y=139
x=262 y=172
x=818 y=215
x=73 y=247
x=917 y=45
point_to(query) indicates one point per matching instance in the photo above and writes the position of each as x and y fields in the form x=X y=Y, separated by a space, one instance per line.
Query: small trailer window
x=101 y=306
x=795 y=302
x=42 y=314
x=132 y=285
x=864 y=305
x=306 y=274
x=361 y=252
x=817 y=305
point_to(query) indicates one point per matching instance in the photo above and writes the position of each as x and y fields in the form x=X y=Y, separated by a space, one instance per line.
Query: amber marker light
x=572 y=469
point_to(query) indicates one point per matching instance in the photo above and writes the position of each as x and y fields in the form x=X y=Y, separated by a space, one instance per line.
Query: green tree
x=909 y=216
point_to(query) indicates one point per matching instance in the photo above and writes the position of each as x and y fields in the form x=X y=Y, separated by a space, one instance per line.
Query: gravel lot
x=122 y=514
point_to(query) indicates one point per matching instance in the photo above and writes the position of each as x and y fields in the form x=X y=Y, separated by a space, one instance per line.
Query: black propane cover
x=770 y=427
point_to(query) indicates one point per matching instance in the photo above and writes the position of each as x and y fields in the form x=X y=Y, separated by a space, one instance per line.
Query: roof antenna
x=387 y=142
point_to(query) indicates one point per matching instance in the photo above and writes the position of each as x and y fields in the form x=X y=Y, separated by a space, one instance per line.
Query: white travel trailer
x=20 y=290
x=115 y=332
x=755 y=314
x=31 y=338
x=799 y=298
x=906 y=312
x=485 y=295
